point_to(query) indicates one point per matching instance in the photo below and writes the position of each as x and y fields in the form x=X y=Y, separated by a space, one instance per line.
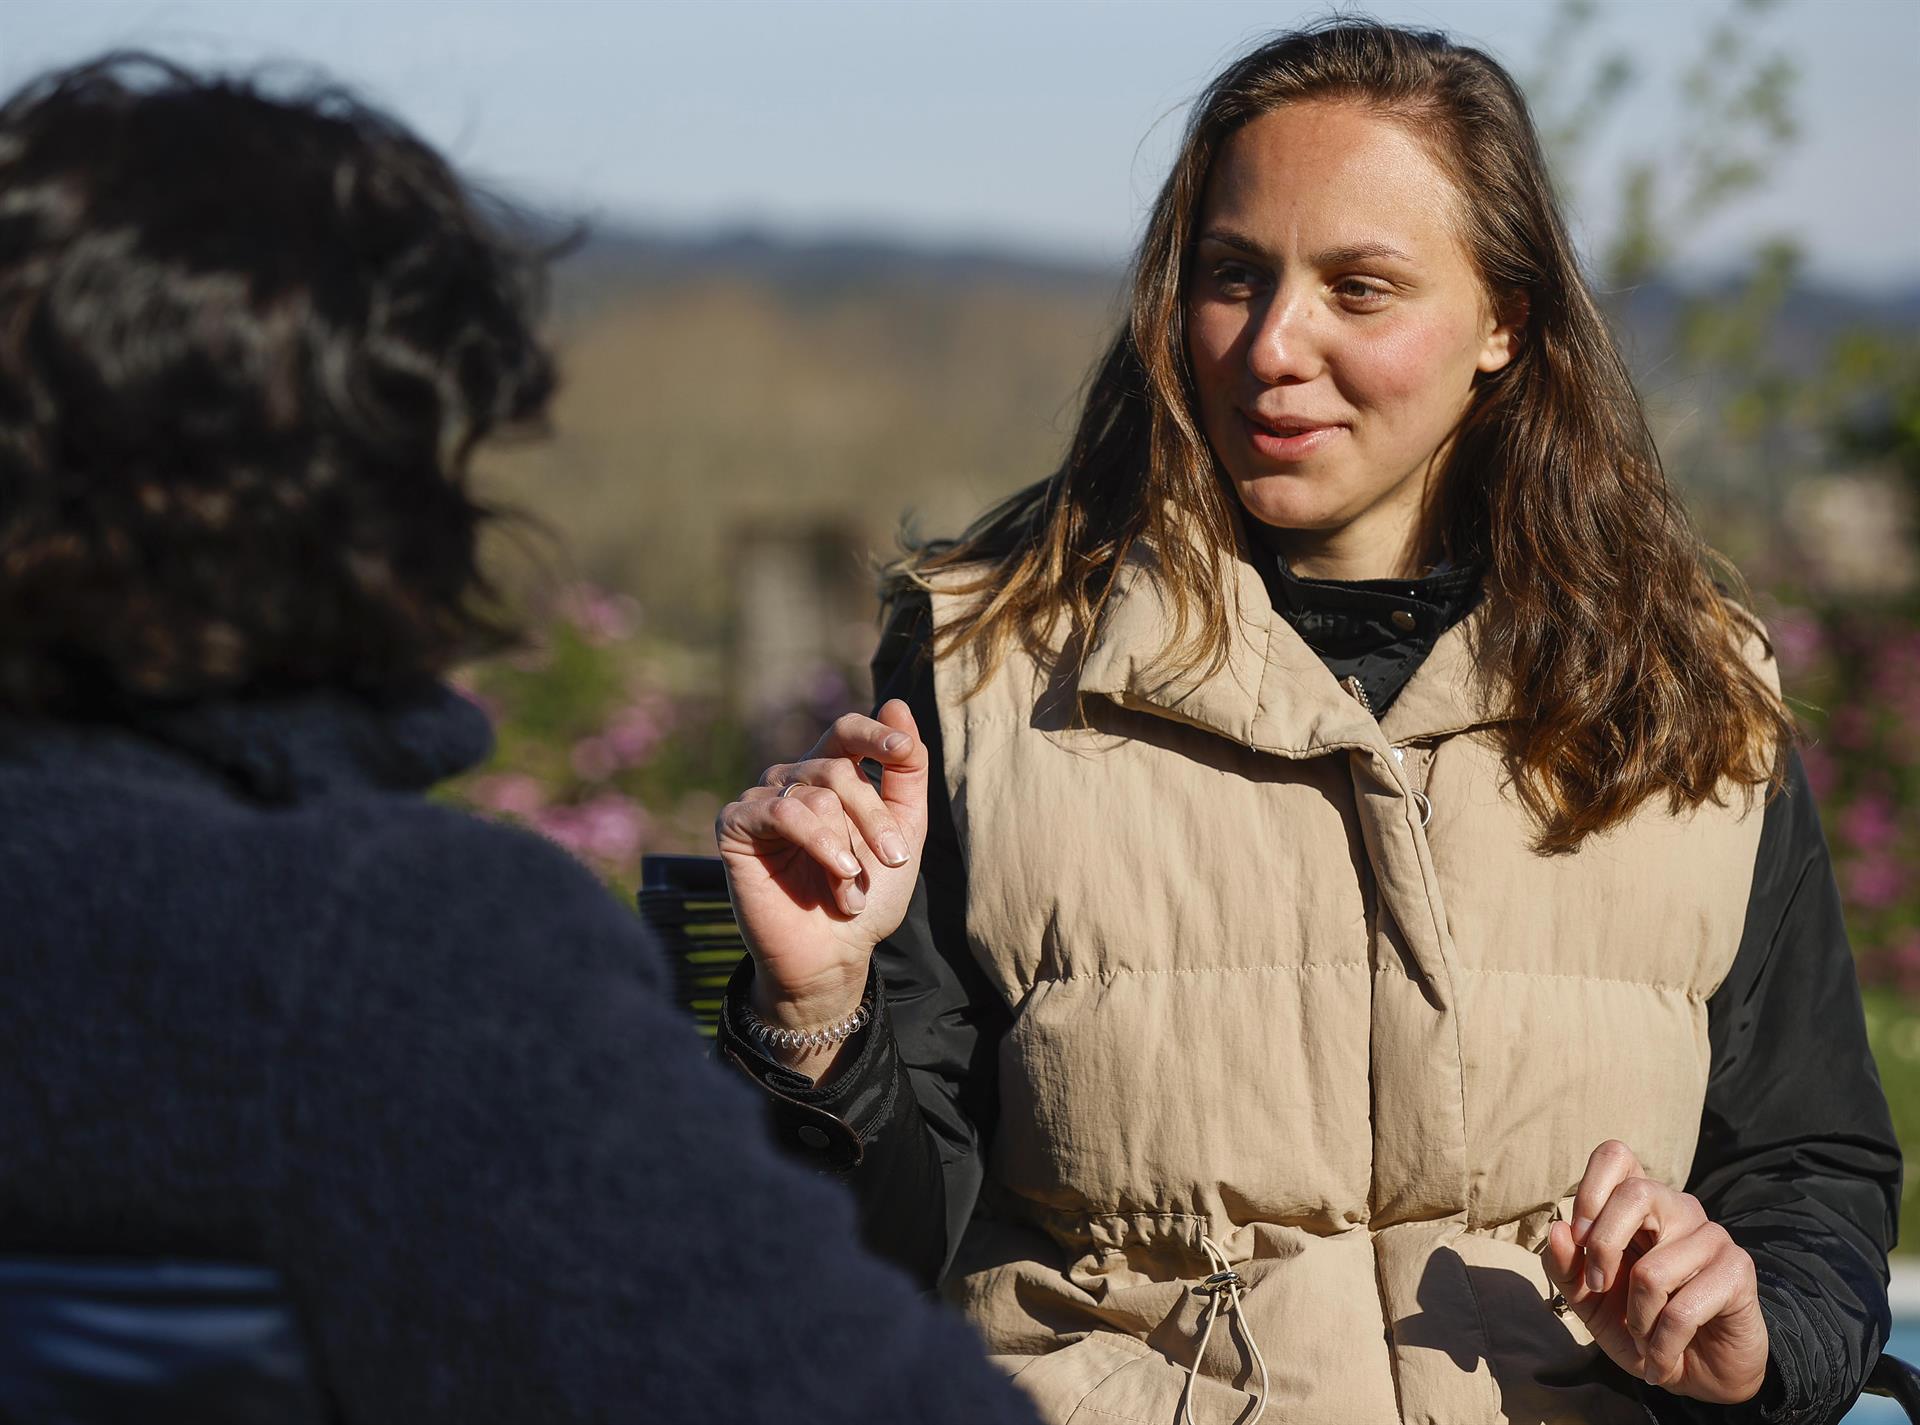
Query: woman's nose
x=1285 y=347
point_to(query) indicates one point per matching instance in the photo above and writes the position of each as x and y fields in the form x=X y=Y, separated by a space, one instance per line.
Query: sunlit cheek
x=1413 y=367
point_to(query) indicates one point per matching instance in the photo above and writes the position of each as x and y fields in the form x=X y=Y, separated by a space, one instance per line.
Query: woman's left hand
x=1667 y=1293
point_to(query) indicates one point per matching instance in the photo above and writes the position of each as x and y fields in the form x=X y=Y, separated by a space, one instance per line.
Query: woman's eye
x=1356 y=293
x=1234 y=279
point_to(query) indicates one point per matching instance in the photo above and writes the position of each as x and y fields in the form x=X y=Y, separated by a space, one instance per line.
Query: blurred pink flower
x=637 y=729
x=1851 y=727
x=509 y=794
x=1876 y=882
x=1868 y=824
x=601 y=617
x=1821 y=773
x=610 y=828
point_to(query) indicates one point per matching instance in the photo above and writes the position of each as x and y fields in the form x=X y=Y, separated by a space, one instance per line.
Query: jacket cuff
x=828 y=1127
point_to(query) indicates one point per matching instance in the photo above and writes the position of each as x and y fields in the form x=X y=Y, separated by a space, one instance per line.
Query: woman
x=1338 y=863
x=270 y=1015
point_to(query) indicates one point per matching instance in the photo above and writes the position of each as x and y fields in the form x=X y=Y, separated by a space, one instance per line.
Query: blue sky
x=1035 y=125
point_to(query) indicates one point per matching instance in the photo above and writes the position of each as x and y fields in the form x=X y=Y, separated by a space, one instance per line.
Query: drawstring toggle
x=1221 y=1288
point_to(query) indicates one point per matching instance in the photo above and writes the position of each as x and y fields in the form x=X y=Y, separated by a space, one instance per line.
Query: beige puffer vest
x=1291 y=982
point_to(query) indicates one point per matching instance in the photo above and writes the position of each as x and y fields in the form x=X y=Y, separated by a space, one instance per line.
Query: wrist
x=808 y=1036
x=815 y=1038
x=825 y=1000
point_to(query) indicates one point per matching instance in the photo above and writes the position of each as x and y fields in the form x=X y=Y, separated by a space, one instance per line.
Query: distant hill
x=618 y=258
x=623 y=257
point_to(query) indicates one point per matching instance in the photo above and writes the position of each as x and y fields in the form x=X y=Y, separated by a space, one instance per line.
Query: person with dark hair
x=321 y=1101
x=1339 y=862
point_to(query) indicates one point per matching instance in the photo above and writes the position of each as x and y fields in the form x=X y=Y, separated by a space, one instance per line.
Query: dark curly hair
x=248 y=344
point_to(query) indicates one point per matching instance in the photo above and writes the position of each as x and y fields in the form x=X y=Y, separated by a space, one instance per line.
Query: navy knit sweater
x=261 y=1001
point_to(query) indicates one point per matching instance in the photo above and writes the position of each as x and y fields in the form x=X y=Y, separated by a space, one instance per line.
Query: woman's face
x=1334 y=321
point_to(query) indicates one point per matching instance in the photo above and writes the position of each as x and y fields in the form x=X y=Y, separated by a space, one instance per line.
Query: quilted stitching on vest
x=1256 y=1001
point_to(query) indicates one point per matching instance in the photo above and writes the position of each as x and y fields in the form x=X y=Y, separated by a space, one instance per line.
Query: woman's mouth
x=1289 y=437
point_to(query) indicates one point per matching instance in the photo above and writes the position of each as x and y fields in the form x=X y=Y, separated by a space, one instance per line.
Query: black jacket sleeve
x=1797 y=1158
x=906 y=1122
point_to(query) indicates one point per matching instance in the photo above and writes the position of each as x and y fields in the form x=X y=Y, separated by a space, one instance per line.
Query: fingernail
x=892 y=849
x=1596 y=1278
x=844 y=861
x=899 y=742
x=1580 y=1226
x=856 y=899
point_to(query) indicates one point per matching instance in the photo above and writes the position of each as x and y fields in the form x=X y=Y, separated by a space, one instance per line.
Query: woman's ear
x=1503 y=337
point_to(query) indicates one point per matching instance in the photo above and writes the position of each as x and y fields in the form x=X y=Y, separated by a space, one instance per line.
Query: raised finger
x=903 y=782
x=861 y=803
x=1609 y=1165
x=861 y=737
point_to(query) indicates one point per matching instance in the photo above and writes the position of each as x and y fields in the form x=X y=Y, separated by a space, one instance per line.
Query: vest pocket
x=1061 y=1381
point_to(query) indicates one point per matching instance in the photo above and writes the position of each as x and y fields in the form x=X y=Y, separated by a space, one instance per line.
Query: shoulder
x=471 y=897
x=917 y=613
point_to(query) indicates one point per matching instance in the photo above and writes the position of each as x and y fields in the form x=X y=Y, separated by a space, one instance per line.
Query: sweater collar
x=1273 y=691
x=284 y=748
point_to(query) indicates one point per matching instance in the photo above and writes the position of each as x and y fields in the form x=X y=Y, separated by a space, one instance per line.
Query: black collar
x=1376 y=630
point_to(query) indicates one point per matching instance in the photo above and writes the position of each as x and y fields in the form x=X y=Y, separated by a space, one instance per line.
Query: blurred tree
x=1746 y=412
x=1872 y=388
x=1737 y=103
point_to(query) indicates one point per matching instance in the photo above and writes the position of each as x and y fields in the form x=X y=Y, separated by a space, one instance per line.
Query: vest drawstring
x=1224 y=1281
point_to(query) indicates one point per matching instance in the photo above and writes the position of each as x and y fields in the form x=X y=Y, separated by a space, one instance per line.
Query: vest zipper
x=1358 y=691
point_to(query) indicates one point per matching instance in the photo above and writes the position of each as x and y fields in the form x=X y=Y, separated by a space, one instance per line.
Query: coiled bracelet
x=825 y=1036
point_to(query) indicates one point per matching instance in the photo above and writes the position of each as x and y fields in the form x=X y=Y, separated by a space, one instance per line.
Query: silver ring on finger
x=789 y=787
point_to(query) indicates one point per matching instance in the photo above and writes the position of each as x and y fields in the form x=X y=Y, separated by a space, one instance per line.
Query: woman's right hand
x=821 y=875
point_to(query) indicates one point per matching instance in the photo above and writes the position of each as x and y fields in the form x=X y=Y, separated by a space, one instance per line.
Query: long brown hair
x=1626 y=664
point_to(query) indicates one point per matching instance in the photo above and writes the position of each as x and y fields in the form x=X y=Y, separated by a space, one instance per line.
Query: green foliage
x=1730 y=335
x=1893 y=1031
x=1737 y=98
x=1568 y=130
x=1853 y=676
x=610 y=741
x=1871 y=397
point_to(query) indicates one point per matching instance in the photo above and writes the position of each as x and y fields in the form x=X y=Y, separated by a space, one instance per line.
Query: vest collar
x=1273 y=693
